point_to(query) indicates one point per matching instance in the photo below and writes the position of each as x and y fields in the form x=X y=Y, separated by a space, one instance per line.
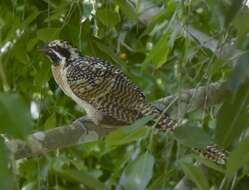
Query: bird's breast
x=59 y=74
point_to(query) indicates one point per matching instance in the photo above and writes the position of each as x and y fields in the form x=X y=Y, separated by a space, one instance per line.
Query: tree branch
x=42 y=142
x=192 y=99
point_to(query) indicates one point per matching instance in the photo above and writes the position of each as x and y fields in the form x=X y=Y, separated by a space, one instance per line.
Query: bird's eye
x=62 y=51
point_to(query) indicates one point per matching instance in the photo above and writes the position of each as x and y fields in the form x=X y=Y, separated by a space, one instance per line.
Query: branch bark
x=42 y=142
x=192 y=99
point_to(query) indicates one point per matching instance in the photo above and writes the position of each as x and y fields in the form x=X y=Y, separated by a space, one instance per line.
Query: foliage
x=152 y=42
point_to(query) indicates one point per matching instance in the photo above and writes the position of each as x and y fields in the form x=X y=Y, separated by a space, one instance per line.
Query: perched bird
x=105 y=92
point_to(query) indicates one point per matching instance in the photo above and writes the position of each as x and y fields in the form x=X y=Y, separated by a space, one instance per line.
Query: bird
x=108 y=96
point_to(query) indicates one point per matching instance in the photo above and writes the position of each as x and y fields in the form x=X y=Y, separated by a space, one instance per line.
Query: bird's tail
x=163 y=122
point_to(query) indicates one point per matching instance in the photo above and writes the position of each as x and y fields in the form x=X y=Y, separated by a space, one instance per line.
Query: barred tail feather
x=213 y=153
x=165 y=123
x=162 y=121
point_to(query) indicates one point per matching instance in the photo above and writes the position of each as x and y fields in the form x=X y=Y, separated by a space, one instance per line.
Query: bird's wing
x=106 y=88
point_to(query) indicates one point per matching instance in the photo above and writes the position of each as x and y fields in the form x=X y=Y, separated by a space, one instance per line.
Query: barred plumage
x=106 y=93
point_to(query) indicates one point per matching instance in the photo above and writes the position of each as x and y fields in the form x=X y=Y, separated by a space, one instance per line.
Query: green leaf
x=108 y=16
x=55 y=15
x=210 y=164
x=31 y=17
x=46 y=34
x=160 y=17
x=128 y=10
x=241 y=24
x=204 y=40
x=159 y=53
x=30 y=186
x=233 y=116
x=32 y=43
x=50 y=122
x=128 y=134
x=6 y=177
x=83 y=178
x=196 y=175
x=15 y=116
x=238 y=157
x=139 y=172
x=192 y=136
x=109 y=52
x=19 y=50
x=234 y=9
x=157 y=183
x=240 y=72
x=41 y=75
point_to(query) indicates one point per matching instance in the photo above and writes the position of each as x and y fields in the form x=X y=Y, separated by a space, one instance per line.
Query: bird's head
x=60 y=51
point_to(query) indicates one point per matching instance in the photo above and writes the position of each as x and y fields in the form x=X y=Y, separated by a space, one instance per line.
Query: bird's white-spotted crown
x=60 y=43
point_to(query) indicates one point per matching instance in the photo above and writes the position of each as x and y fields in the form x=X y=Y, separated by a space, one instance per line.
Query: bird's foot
x=81 y=122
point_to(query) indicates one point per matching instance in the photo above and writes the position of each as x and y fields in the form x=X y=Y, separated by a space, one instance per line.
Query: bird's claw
x=80 y=122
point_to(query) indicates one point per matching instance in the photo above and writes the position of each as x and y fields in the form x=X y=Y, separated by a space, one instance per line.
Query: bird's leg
x=90 y=127
x=82 y=122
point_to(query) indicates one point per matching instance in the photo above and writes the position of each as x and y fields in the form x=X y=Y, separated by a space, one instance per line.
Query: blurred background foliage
x=151 y=42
